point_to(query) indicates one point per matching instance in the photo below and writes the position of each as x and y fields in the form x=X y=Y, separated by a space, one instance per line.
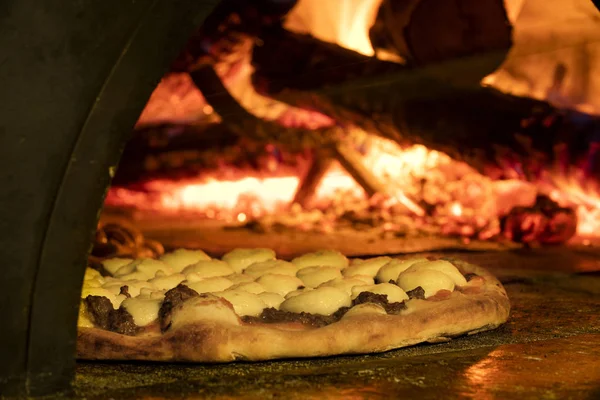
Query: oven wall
x=75 y=76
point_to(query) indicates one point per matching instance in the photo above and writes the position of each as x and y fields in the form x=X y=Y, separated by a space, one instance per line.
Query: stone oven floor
x=549 y=349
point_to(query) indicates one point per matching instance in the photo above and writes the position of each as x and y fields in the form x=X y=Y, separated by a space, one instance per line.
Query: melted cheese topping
x=239 y=278
x=323 y=301
x=82 y=319
x=430 y=280
x=294 y=293
x=250 y=287
x=133 y=286
x=326 y=258
x=252 y=279
x=96 y=282
x=146 y=293
x=391 y=270
x=366 y=267
x=203 y=308
x=344 y=284
x=143 y=311
x=112 y=265
x=97 y=291
x=181 y=258
x=208 y=285
x=113 y=287
x=393 y=292
x=364 y=309
x=314 y=276
x=279 y=267
x=166 y=282
x=208 y=269
x=281 y=284
x=272 y=300
x=367 y=280
x=91 y=274
x=244 y=303
x=239 y=259
x=443 y=266
x=143 y=269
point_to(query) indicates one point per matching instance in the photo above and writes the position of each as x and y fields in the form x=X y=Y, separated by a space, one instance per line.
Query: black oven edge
x=75 y=76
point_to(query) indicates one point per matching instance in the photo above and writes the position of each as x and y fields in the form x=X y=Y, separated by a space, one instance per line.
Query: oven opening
x=260 y=132
x=374 y=128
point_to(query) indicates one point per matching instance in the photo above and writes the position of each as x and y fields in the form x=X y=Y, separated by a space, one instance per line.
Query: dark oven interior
x=372 y=127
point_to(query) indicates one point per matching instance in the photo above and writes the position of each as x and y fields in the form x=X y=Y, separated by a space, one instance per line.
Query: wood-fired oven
x=367 y=126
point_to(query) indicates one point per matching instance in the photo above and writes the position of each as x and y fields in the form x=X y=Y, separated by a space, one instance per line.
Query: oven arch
x=76 y=76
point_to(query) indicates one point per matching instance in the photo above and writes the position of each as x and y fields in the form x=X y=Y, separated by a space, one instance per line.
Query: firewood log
x=239 y=120
x=428 y=31
x=284 y=60
x=499 y=134
x=172 y=149
x=422 y=32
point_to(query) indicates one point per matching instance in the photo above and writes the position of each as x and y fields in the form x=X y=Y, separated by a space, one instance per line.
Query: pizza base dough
x=209 y=341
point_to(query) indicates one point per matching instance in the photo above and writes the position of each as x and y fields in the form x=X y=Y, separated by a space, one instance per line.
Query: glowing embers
x=570 y=192
x=230 y=199
x=208 y=197
x=256 y=194
x=425 y=192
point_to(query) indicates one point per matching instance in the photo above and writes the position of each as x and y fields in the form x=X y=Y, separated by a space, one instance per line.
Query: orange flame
x=269 y=192
x=413 y=175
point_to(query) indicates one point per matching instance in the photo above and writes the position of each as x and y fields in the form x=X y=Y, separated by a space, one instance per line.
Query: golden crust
x=206 y=341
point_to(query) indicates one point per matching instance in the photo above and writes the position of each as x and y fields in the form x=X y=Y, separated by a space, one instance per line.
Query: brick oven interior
x=465 y=129
x=333 y=144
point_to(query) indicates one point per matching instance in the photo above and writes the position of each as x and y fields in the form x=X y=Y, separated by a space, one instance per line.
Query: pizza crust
x=210 y=341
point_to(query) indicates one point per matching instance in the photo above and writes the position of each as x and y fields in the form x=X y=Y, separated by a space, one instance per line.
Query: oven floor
x=549 y=349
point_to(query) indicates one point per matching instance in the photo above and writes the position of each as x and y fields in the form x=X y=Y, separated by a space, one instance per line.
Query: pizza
x=249 y=305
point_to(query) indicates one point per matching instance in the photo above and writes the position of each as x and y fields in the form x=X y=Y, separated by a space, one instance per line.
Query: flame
x=231 y=199
x=336 y=180
x=463 y=199
x=456 y=209
x=570 y=192
x=345 y=22
x=414 y=176
x=269 y=192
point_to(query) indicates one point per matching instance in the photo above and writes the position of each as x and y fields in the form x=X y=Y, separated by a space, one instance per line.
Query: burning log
x=168 y=148
x=242 y=122
x=351 y=161
x=217 y=95
x=319 y=167
x=226 y=29
x=545 y=223
x=421 y=32
x=501 y=135
x=428 y=31
x=284 y=59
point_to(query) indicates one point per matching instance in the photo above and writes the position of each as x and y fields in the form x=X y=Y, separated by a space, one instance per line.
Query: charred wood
x=428 y=31
x=319 y=167
x=351 y=161
x=422 y=32
x=288 y=60
x=154 y=139
x=544 y=223
x=173 y=149
x=230 y=24
x=243 y=123
x=501 y=135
